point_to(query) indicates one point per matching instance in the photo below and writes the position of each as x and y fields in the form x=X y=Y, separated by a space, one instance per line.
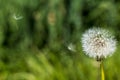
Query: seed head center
x=99 y=42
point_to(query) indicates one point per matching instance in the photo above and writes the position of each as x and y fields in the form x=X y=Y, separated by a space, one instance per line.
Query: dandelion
x=98 y=43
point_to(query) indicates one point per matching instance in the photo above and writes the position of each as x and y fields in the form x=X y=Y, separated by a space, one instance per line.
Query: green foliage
x=35 y=36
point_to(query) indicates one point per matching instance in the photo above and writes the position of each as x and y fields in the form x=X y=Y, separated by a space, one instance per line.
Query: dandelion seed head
x=97 y=42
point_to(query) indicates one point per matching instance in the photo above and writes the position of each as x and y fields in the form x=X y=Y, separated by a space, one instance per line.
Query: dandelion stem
x=102 y=71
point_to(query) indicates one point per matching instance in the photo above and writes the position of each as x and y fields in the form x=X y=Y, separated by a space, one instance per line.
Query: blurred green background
x=41 y=39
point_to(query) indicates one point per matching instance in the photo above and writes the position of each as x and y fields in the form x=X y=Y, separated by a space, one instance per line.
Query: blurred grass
x=44 y=65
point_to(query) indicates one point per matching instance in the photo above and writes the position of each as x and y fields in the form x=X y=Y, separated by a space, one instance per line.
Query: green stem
x=102 y=71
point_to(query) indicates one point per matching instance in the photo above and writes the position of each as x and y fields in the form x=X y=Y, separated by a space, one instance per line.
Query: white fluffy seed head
x=98 y=43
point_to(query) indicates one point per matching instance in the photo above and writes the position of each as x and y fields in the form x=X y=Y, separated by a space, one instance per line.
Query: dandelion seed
x=98 y=43
x=71 y=47
x=17 y=17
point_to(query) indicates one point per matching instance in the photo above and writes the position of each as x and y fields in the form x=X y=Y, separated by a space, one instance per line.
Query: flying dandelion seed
x=17 y=17
x=98 y=43
x=71 y=47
